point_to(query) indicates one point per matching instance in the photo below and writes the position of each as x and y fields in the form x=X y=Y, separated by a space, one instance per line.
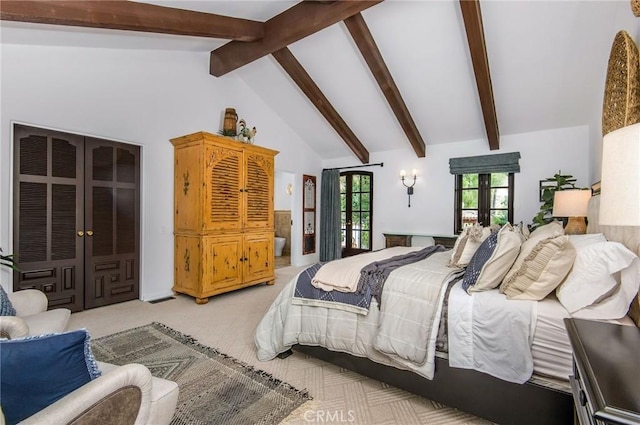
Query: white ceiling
x=547 y=60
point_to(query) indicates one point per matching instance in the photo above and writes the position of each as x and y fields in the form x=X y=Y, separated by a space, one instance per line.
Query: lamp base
x=576 y=226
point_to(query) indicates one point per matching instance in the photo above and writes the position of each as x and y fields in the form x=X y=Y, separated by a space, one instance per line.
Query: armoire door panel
x=223 y=189
x=258 y=250
x=222 y=262
x=258 y=187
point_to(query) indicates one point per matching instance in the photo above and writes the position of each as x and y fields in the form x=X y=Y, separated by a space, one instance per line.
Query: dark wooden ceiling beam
x=131 y=16
x=475 y=36
x=294 y=24
x=298 y=74
x=367 y=46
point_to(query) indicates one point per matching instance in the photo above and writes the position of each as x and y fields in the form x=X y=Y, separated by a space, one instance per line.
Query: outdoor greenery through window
x=356 y=208
x=483 y=198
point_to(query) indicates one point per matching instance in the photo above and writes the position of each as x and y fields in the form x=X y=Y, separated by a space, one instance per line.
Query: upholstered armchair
x=32 y=317
x=122 y=395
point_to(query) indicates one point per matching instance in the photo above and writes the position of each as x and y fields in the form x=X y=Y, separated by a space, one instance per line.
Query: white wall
x=142 y=97
x=543 y=154
x=282 y=199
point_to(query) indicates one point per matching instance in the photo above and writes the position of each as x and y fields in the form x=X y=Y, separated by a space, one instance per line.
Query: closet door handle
x=80 y=233
x=89 y=232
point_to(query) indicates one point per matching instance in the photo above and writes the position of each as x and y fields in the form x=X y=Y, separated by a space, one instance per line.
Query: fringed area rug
x=214 y=388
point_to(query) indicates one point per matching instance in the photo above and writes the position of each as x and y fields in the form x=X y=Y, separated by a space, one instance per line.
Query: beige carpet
x=227 y=323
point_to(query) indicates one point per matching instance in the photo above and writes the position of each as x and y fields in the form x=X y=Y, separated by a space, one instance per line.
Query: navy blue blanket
x=374 y=275
x=307 y=294
x=371 y=283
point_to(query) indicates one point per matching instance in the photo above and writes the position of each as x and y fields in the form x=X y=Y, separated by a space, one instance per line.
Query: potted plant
x=552 y=184
x=7 y=260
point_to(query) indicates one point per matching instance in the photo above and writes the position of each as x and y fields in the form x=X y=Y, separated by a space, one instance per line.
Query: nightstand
x=606 y=372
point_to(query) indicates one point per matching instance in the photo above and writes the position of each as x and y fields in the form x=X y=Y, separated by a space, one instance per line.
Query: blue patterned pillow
x=37 y=371
x=6 y=308
x=479 y=259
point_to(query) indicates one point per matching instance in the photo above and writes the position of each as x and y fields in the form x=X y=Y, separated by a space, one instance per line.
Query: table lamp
x=620 y=181
x=572 y=203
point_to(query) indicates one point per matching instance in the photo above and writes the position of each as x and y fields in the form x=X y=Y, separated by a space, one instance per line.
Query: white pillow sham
x=580 y=241
x=592 y=277
x=467 y=244
x=615 y=303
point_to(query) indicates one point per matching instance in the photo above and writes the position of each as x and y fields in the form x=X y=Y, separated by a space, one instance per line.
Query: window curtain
x=330 y=243
x=483 y=164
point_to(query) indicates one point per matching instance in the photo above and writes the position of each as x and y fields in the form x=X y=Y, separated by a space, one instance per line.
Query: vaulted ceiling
x=354 y=77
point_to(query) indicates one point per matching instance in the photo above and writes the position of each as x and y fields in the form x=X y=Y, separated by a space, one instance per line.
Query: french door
x=356 y=205
x=76 y=218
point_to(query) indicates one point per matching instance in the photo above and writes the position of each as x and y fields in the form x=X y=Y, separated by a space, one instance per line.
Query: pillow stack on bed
x=593 y=278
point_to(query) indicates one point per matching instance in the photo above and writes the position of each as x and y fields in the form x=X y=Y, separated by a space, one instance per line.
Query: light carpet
x=214 y=388
x=228 y=322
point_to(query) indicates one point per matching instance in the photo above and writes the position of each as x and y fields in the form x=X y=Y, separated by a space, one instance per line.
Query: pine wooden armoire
x=223 y=215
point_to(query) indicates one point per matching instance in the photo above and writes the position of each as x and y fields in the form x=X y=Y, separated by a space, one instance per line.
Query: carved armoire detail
x=223 y=215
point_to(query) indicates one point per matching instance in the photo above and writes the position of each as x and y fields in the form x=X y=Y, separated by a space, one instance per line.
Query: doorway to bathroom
x=283 y=202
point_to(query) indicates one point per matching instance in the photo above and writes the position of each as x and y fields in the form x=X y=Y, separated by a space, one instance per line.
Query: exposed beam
x=131 y=16
x=478 y=49
x=367 y=45
x=298 y=74
x=295 y=23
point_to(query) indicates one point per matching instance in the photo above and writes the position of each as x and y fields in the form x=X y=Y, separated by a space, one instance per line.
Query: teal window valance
x=483 y=164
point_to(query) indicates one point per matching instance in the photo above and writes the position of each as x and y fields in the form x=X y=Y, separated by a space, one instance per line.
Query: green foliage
x=229 y=133
x=7 y=261
x=562 y=182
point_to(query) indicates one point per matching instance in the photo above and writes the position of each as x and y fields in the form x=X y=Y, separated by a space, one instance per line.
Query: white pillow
x=591 y=277
x=542 y=233
x=467 y=244
x=616 y=305
x=546 y=266
x=498 y=263
x=580 y=241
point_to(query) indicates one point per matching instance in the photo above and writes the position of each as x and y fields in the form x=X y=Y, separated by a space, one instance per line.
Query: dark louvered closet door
x=48 y=214
x=112 y=222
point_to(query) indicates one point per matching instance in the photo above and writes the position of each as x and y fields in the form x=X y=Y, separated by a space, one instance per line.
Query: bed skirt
x=473 y=392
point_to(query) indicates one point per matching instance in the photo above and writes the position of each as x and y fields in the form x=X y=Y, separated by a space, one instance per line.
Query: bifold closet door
x=48 y=214
x=112 y=223
x=76 y=218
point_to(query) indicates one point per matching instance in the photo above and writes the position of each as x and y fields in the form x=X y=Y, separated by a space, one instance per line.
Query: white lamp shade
x=571 y=203
x=620 y=181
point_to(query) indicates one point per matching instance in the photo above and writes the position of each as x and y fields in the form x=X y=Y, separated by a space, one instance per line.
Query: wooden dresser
x=223 y=215
x=396 y=239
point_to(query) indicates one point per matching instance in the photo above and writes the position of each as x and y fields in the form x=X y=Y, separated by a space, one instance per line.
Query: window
x=483 y=198
x=356 y=210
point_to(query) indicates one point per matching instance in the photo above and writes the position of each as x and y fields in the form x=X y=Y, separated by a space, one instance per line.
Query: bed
x=520 y=377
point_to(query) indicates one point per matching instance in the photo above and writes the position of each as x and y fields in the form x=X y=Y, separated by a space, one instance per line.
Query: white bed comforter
x=401 y=334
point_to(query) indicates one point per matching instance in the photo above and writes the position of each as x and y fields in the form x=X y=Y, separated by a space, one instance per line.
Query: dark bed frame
x=465 y=389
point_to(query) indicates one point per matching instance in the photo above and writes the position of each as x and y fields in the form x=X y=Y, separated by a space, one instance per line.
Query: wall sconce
x=403 y=174
x=289 y=189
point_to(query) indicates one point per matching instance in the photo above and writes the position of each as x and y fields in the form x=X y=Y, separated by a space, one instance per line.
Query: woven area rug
x=214 y=388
